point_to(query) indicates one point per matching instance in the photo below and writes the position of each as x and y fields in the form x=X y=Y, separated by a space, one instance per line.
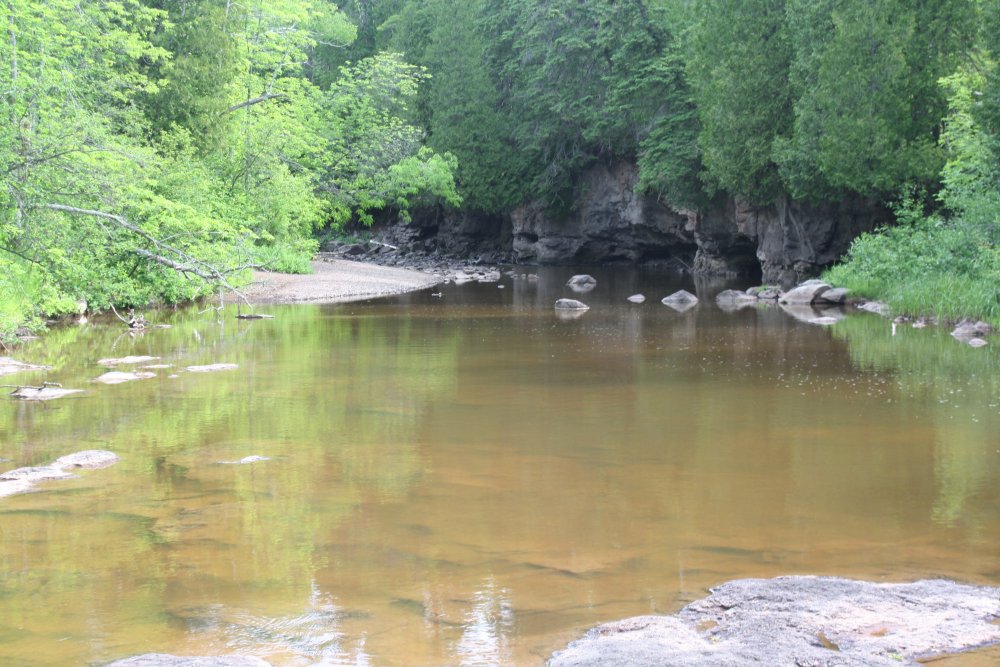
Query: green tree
x=739 y=69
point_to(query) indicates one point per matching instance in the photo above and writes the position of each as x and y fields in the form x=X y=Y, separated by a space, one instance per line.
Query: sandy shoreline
x=336 y=281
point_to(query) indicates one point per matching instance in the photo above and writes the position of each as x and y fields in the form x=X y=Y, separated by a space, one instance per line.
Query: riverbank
x=336 y=281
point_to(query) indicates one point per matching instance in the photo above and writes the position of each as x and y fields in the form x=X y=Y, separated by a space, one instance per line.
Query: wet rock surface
x=802 y=621
x=165 y=660
x=44 y=393
x=9 y=366
x=22 y=480
x=127 y=361
x=118 y=377
x=211 y=368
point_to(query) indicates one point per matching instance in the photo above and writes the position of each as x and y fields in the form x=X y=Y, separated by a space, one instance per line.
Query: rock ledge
x=801 y=621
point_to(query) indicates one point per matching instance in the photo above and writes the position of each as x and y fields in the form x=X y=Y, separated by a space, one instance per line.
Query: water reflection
x=467 y=479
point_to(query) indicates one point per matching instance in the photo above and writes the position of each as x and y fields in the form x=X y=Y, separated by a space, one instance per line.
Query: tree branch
x=256 y=100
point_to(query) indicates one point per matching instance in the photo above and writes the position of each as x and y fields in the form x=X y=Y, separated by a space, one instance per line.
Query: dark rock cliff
x=783 y=243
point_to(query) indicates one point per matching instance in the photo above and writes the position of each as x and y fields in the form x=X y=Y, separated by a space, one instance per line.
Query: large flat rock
x=801 y=621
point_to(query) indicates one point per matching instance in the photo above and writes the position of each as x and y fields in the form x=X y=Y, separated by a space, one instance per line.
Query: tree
x=739 y=69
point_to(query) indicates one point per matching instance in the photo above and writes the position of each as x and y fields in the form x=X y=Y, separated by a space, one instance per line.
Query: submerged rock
x=9 y=366
x=211 y=368
x=14 y=486
x=637 y=298
x=126 y=361
x=801 y=621
x=164 y=660
x=117 y=377
x=247 y=459
x=977 y=342
x=571 y=304
x=35 y=474
x=90 y=459
x=22 y=480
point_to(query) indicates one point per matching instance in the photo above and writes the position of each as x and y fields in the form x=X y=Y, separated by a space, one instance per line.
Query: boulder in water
x=571 y=304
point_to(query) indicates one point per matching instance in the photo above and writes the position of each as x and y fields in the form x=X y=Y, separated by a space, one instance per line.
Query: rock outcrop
x=608 y=221
x=801 y=621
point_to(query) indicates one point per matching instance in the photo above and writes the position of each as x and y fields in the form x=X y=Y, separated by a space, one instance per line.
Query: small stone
x=211 y=368
x=680 y=296
x=571 y=304
x=637 y=298
x=824 y=321
x=977 y=342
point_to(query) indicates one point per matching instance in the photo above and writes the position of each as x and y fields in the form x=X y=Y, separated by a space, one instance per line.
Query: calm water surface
x=469 y=480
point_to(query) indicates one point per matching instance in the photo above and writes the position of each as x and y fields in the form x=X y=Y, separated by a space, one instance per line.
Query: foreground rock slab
x=164 y=660
x=801 y=621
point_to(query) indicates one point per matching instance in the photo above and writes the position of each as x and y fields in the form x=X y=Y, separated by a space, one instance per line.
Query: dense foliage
x=152 y=148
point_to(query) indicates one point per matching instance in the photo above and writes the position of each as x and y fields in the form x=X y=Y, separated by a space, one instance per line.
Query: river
x=467 y=479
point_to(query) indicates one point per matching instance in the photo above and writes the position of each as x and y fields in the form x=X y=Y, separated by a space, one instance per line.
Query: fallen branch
x=188 y=264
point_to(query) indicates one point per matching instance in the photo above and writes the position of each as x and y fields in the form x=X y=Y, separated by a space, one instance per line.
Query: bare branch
x=256 y=100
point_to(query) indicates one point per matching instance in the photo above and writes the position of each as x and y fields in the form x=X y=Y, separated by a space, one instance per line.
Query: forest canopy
x=154 y=149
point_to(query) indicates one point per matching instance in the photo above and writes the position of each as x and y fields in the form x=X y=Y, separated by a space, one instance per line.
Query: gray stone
x=968 y=329
x=637 y=298
x=681 y=301
x=247 y=460
x=126 y=361
x=164 y=660
x=211 y=368
x=582 y=283
x=118 y=377
x=807 y=293
x=800 y=621
x=824 y=321
x=977 y=342
x=9 y=366
x=42 y=393
x=731 y=297
x=835 y=295
x=35 y=474
x=90 y=459
x=680 y=296
x=571 y=304
x=876 y=307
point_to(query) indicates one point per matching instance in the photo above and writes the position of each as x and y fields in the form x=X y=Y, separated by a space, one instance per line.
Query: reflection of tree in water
x=953 y=385
x=487 y=628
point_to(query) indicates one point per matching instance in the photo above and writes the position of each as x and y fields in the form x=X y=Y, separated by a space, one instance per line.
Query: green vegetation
x=153 y=149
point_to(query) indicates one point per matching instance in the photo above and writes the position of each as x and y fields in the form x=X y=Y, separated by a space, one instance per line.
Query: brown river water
x=470 y=480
